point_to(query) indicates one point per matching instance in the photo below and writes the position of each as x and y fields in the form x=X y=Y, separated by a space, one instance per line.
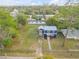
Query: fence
x=17 y=52
x=63 y=53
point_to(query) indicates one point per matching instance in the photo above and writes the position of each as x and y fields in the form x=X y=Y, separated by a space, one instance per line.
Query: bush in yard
x=52 y=21
x=7 y=42
x=21 y=19
x=48 y=57
x=13 y=32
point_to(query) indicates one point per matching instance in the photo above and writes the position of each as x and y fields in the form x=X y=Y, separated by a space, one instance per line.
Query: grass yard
x=26 y=43
x=27 y=37
x=59 y=51
x=57 y=43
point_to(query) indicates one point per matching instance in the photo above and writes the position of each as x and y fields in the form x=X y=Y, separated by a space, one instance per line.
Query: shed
x=72 y=34
x=47 y=31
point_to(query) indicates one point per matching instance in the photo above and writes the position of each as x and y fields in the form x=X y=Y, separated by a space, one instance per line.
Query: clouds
x=14 y=2
x=54 y=1
x=28 y=2
x=58 y=2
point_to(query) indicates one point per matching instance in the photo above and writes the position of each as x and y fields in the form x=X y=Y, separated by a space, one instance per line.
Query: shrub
x=7 y=42
x=46 y=57
x=21 y=19
x=13 y=32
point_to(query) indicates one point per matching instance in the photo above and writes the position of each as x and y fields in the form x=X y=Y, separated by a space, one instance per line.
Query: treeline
x=64 y=17
x=46 y=9
x=67 y=17
x=10 y=26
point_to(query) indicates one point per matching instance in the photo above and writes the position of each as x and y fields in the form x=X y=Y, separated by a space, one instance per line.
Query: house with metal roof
x=45 y=31
x=70 y=34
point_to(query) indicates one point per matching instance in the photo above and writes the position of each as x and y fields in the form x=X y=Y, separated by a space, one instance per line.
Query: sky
x=30 y=2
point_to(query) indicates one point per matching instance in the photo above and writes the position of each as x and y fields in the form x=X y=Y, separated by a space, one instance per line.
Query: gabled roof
x=48 y=27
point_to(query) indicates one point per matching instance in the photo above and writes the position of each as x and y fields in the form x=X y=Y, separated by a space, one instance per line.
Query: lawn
x=27 y=42
x=27 y=37
x=57 y=43
x=59 y=51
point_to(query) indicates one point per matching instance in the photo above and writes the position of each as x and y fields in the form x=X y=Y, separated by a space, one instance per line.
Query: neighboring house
x=43 y=17
x=14 y=13
x=70 y=34
x=45 y=31
x=33 y=21
x=36 y=21
x=30 y=16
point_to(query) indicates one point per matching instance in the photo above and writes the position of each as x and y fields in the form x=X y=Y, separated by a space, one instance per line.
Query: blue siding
x=48 y=30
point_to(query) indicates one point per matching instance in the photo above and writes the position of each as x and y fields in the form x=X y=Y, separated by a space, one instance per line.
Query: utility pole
x=49 y=44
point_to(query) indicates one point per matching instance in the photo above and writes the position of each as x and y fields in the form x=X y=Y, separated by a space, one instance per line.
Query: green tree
x=52 y=21
x=6 y=22
x=70 y=14
x=21 y=19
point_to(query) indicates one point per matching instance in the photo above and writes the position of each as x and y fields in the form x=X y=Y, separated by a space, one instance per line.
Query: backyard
x=27 y=43
x=20 y=38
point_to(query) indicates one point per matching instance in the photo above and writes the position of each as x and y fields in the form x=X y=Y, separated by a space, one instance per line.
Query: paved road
x=7 y=57
x=66 y=58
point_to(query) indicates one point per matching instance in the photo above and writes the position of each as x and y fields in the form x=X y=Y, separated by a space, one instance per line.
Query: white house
x=48 y=16
x=14 y=13
x=42 y=16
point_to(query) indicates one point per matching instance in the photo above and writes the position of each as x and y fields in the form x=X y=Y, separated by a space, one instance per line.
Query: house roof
x=48 y=27
x=71 y=33
x=34 y=20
